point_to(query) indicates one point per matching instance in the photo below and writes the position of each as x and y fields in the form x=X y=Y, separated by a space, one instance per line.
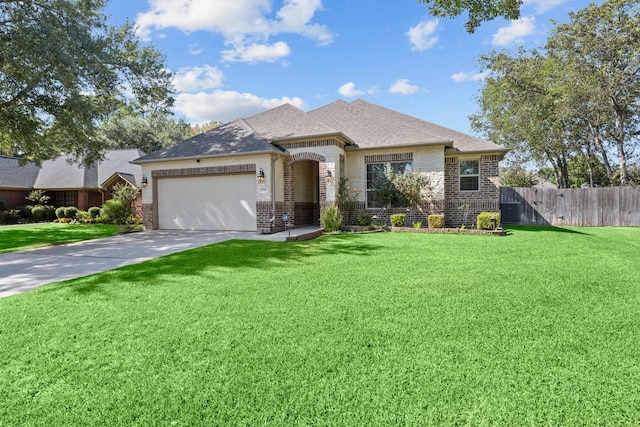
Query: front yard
x=21 y=237
x=539 y=327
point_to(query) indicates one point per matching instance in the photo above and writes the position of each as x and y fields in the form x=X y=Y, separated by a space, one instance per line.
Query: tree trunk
x=619 y=139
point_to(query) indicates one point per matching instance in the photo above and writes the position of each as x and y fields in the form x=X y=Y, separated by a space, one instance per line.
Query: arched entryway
x=306 y=192
x=305 y=188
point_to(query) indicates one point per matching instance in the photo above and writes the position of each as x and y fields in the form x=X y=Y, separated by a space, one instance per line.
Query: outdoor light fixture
x=328 y=176
x=261 y=176
x=145 y=181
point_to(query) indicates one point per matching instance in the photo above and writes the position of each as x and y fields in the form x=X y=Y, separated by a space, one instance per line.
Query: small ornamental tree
x=38 y=197
x=120 y=209
x=347 y=197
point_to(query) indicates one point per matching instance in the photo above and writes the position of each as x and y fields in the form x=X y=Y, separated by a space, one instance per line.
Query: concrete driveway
x=22 y=271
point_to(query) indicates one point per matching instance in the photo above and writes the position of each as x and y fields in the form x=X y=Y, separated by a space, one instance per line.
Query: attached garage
x=210 y=202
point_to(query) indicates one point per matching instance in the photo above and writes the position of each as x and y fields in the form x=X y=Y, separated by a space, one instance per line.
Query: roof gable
x=370 y=129
x=13 y=175
x=287 y=122
x=236 y=137
x=461 y=141
x=64 y=174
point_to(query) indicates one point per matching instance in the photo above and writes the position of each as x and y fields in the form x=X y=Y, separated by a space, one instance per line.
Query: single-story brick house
x=244 y=175
x=69 y=184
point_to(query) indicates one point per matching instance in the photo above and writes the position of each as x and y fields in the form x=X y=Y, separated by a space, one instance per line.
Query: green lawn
x=21 y=237
x=541 y=327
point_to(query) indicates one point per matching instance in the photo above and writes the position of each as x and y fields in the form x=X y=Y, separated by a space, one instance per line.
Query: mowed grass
x=541 y=327
x=21 y=237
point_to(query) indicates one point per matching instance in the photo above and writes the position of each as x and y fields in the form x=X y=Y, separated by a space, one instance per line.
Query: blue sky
x=235 y=58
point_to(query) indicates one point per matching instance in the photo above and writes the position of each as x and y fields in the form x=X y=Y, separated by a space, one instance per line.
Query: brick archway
x=289 y=185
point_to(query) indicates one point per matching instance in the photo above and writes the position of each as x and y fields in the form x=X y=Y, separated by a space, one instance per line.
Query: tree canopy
x=579 y=96
x=478 y=11
x=64 y=71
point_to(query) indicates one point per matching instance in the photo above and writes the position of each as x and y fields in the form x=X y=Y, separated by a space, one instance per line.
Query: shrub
x=94 y=212
x=483 y=220
x=116 y=212
x=331 y=218
x=26 y=210
x=60 y=212
x=417 y=224
x=83 y=217
x=10 y=217
x=397 y=220
x=436 y=221
x=38 y=213
x=364 y=220
x=70 y=212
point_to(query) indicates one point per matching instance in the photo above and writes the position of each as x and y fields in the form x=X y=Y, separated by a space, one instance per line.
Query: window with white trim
x=375 y=172
x=469 y=175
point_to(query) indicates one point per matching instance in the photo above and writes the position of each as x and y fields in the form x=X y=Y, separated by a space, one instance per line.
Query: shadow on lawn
x=538 y=228
x=221 y=257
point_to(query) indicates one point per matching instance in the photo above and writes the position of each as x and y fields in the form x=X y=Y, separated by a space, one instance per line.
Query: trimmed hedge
x=436 y=221
x=483 y=220
x=397 y=220
x=364 y=220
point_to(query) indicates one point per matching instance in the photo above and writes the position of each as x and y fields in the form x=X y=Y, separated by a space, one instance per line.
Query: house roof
x=61 y=174
x=12 y=175
x=373 y=128
x=359 y=123
x=236 y=137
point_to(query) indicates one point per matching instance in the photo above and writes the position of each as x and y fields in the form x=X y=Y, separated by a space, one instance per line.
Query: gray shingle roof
x=236 y=137
x=362 y=123
x=60 y=174
x=287 y=122
x=461 y=141
x=12 y=175
x=370 y=129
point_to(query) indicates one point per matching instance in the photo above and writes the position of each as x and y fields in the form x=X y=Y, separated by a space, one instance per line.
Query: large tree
x=146 y=131
x=600 y=50
x=478 y=11
x=64 y=71
x=520 y=108
x=579 y=96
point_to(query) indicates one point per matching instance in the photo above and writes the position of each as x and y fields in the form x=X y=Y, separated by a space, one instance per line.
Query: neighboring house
x=246 y=174
x=69 y=184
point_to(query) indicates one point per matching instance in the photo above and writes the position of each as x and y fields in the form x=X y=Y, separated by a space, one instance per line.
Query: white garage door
x=221 y=202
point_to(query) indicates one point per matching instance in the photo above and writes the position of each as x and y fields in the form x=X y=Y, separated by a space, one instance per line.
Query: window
x=469 y=175
x=64 y=198
x=375 y=172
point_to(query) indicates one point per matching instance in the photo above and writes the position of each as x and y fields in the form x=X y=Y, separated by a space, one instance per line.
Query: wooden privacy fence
x=580 y=207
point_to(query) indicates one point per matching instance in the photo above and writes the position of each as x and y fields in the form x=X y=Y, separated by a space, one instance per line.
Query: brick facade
x=304 y=213
x=14 y=198
x=462 y=207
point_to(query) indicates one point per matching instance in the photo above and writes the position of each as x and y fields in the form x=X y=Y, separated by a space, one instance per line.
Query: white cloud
x=422 y=36
x=245 y=24
x=469 y=77
x=227 y=105
x=256 y=53
x=349 y=90
x=191 y=79
x=403 y=87
x=515 y=32
x=542 y=6
x=295 y=16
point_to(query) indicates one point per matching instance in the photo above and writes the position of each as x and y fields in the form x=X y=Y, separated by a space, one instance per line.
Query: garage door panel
x=226 y=202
